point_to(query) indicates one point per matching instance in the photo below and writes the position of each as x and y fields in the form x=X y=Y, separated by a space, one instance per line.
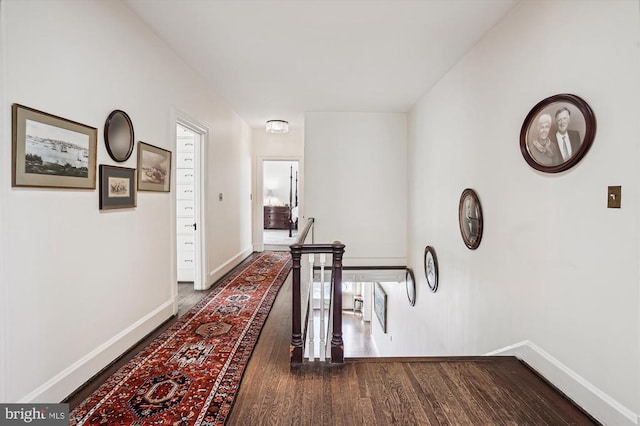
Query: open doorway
x=280 y=203
x=188 y=204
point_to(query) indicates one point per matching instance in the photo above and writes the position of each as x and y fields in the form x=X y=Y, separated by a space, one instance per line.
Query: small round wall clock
x=118 y=136
x=431 y=268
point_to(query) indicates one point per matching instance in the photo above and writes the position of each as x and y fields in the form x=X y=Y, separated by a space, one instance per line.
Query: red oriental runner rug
x=189 y=375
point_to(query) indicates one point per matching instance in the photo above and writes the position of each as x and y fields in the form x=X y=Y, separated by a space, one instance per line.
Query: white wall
x=266 y=146
x=555 y=267
x=85 y=284
x=394 y=342
x=356 y=184
x=278 y=146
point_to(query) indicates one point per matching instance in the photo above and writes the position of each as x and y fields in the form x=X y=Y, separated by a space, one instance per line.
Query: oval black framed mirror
x=118 y=135
x=431 y=268
x=410 y=282
x=470 y=218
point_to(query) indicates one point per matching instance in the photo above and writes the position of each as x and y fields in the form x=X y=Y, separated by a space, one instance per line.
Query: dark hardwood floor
x=188 y=297
x=437 y=391
x=356 y=335
x=375 y=391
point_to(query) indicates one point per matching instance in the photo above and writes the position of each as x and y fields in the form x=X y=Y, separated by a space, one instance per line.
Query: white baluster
x=323 y=333
x=312 y=354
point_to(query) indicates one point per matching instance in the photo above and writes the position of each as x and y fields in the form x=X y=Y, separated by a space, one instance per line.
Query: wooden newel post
x=296 y=348
x=337 y=345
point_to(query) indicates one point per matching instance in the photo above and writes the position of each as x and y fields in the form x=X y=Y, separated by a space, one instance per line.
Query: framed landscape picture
x=51 y=151
x=380 y=306
x=117 y=187
x=154 y=168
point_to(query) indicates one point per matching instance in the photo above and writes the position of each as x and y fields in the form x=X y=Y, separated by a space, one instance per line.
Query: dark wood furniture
x=276 y=217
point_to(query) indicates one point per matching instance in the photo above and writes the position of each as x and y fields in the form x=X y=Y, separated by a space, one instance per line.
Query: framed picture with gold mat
x=51 y=151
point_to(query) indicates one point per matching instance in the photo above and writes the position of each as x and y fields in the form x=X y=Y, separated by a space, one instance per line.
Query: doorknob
x=195 y=227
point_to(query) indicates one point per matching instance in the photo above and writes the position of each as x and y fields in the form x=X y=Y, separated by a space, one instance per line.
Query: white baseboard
x=72 y=377
x=219 y=272
x=594 y=401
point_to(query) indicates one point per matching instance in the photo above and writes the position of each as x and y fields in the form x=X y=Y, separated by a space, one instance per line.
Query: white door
x=187 y=204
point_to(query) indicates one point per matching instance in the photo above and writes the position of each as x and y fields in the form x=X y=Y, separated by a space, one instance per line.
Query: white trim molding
x=5 y=156
x=202 y=152
x=71 y=378
x=374 y=261
x=593 y=400
x=258 y=202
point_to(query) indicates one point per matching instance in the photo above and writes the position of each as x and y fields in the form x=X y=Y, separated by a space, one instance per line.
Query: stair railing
x=302 y=309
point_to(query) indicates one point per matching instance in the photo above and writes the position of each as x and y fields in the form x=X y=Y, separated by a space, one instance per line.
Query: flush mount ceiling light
x=277 y=126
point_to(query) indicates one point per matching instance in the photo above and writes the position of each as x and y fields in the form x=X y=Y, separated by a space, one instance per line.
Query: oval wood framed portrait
x=557 y=133
x=470 y=218
x=118 y=136
x=411 y=286
x=431 y=268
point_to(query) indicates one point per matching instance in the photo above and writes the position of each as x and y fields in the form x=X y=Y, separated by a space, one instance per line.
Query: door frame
x=258 y=240
x=200 y=247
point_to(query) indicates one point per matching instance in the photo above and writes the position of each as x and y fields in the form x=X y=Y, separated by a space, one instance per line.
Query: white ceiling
x=279 y=59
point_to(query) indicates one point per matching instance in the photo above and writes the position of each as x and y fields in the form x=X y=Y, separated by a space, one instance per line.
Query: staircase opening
x=363 y=314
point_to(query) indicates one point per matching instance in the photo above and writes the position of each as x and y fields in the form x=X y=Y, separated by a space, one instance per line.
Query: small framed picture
x=557 y=133
x=118 y=135
x=431 y=268
x=154 y=168
x=470 y=218
x=117 y=187
x=52 y=151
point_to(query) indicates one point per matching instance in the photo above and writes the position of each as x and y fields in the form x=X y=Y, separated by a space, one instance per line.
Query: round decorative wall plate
x=431 y=268
x=411 y=287
x=470 y=218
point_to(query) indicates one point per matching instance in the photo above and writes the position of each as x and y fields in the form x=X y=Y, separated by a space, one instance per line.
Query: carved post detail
x=297 y=347
x=337 y=345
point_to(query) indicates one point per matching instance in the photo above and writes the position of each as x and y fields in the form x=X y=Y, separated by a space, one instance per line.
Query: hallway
x=278 y=239
x=430 y=391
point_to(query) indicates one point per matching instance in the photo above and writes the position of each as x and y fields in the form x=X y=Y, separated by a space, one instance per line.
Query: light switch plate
x=614 y=197
x=220 y=196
